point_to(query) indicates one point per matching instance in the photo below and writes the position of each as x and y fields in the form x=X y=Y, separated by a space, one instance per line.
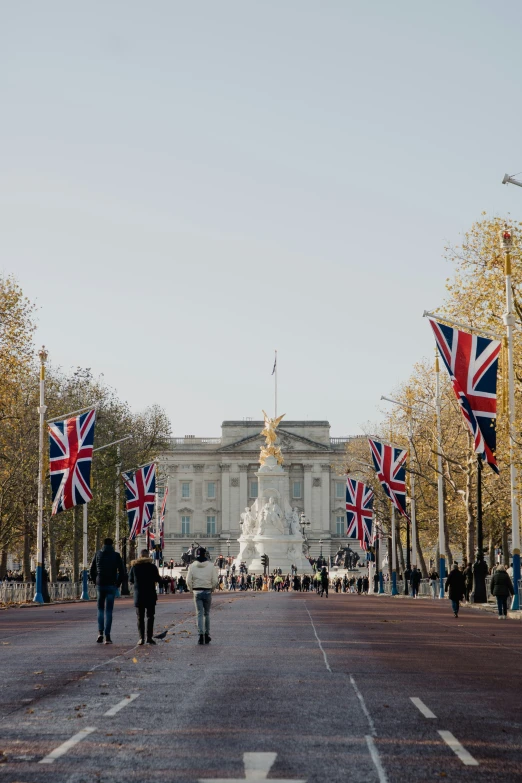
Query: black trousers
x=140 y=614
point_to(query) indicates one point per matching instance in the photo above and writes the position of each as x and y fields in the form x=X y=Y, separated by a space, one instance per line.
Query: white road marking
x=463 y=754
x=257 y=767
x=422 y=707
x=120 y=705
x=62 y=749
x=319 y=642
x=363 y=706
x=374 y=753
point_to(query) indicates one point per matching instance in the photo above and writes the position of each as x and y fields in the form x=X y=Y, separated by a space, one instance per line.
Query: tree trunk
x=27 y=552
x=390 y=555
x=447 y=547
x=76 y=546
x=400 y=559
x=470 y=519
x=505 y=546
x=491 y=547
x=3 y=563
x=420 y=555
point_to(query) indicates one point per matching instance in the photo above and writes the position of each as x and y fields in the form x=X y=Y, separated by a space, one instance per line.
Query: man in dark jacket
x=144 y=575
x=455 y=588
x=107 y=572
x=415 y=580
x=502 y=588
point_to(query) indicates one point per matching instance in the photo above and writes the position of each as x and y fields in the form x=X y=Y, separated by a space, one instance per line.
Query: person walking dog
x=107 y=572
x=202 y=579
x=455 y=588
x=144 y=575
x=502 y=588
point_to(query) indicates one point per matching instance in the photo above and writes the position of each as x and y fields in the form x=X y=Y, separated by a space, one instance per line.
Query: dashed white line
x=62 y=749
x=319 y=642
x=374 y=753
x=422 y=707
x=363 y=706
x=463 y=754
x=120 y=705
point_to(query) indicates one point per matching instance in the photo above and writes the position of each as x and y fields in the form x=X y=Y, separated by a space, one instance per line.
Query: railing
x=23 y=592
x=189 y=441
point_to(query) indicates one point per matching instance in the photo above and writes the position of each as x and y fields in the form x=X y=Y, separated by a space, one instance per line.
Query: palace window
x=296 y=490
x=185 y=526
x=340 y=489
x=185 y=489
x=211 y=490
x=211 y=526
x=253 y=489
x=340 y=524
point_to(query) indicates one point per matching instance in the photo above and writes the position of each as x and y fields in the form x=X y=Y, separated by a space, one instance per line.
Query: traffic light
x=264 y=561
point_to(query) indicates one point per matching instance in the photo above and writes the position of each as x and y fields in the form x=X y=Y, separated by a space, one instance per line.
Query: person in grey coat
x=502 y=588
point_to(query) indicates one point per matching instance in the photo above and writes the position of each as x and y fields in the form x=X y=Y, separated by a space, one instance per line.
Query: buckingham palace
x=212 y=480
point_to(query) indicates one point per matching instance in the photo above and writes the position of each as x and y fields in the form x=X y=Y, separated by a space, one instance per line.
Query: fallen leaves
x=135 y=660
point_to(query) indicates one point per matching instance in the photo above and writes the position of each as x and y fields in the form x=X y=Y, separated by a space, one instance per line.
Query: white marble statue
x=294 y=523
x=248 y=523
x=271 y=518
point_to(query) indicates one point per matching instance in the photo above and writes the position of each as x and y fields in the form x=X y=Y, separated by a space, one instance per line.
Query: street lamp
x=321 y=545
x=506 y=241
x=228 y=547
x=509 y=180
x=38 y=596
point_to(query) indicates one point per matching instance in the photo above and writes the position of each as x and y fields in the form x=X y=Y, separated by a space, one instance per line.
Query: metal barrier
x=23 y=592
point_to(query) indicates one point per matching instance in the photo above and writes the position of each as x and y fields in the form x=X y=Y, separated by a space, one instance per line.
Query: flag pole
x=38 y=596
x=440 y=486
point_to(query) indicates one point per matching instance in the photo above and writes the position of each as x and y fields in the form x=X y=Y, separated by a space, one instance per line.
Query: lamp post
x=38 y=596
x=228 y=548
x=506 y=241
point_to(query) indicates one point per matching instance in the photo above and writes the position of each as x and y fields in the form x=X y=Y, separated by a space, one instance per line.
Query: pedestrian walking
x=415 y=580
x=324 y=581
x=107 y=572
x=144 y=575
x=202 y=579
x=502 y=588
x=455 y=588
x=434 y=578
x=468 y=581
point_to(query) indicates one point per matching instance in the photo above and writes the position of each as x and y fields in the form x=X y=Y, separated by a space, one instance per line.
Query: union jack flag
x=140 y=488
x=359 y=511
x=389 y=466
x=70 y=460
x=162 y=519
x=472 y=363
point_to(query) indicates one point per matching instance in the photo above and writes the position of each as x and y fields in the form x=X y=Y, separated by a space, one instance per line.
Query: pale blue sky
x=185 y=186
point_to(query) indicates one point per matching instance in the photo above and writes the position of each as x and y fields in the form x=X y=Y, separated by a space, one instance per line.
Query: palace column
x=243 y=487
x=225 y=498
x=307 y=470
x=325 y=499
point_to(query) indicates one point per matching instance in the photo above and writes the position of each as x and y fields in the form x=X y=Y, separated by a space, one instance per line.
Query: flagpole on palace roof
x=38 y=596
x=274 y=373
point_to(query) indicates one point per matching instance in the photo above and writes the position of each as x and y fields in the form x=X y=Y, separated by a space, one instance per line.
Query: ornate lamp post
x=228 y=547
x=38 y=596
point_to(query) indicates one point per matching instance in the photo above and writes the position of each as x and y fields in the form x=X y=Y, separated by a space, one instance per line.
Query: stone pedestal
x=270 y=527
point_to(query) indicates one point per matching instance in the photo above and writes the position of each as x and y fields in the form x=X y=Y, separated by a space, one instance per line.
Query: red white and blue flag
x=389 y=462
x=140 y=488
x=359 y=511
x=472 y=364
x=70 y=460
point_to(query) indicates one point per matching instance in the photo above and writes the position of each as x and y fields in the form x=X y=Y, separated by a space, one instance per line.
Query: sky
x=187 y=186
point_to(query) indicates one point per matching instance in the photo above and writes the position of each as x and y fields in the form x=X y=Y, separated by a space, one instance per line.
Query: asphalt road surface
x=293 y=687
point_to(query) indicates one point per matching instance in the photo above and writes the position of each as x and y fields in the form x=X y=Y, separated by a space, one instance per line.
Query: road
x=310 y=689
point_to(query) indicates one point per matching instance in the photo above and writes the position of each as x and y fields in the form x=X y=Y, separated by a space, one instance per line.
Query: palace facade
x=212 y=480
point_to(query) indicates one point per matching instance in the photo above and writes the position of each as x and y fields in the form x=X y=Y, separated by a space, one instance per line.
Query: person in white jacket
x=202 y=579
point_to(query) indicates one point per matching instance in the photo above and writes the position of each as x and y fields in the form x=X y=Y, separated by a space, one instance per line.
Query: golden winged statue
x=269 y=431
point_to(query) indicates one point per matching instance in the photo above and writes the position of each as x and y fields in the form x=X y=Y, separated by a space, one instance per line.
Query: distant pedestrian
x=107 y=572
x=144 y=575
x=468 y=581
x=415 y=580
x=434 y=579
x=202 y=579
x=502 y=588
x=324 y=581
x=455 y=588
